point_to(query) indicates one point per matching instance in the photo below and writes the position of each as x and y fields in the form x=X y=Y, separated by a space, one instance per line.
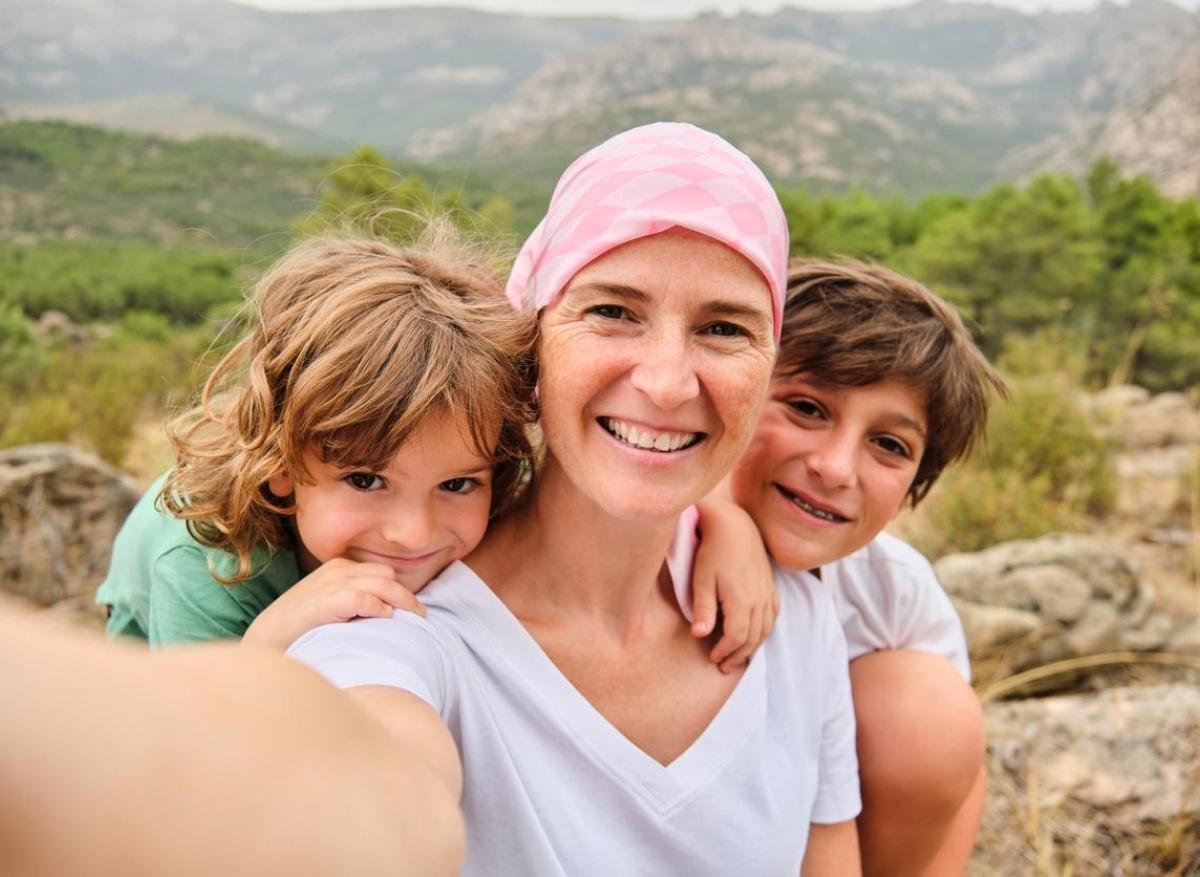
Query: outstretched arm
x=113 y=761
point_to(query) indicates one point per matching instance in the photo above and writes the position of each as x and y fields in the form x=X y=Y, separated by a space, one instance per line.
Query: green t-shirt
x=160 y=587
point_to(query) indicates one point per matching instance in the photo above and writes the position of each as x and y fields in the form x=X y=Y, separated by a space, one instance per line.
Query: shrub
x=1042 y=470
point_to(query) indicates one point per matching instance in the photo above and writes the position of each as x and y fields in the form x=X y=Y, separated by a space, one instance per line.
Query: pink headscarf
x=642 y=182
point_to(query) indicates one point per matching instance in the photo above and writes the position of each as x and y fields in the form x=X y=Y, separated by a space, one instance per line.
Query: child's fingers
x=768 y=619
x=735 y=632
x=401 y=597
x=354 y=603
x=704 y=603
x=742 y=653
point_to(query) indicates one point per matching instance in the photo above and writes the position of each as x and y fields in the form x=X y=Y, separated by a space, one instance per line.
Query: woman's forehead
x=678 y=261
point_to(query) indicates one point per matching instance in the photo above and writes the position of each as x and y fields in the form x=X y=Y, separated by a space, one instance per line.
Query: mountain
x=937 y=95
x=1155 y=132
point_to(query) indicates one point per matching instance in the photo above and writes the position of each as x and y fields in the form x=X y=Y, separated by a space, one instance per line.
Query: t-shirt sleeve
x=188 y=605
x=838 y=796
x=893 y=600
x=400 y=652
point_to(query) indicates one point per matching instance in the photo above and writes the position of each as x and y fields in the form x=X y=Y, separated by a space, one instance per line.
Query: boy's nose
x=835 y=462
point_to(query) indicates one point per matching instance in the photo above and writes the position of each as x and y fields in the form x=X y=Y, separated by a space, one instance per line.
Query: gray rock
x=1028 y=603
x=60 y=509
x=1090 y=784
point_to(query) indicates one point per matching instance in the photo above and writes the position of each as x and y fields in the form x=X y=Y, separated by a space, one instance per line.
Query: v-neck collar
x=664 y=787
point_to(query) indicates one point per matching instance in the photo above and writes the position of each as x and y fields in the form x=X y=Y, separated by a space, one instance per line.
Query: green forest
x=123 y=259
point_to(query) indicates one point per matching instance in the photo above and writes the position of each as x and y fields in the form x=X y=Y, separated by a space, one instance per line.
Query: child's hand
x=732 y=570
x=337 y=590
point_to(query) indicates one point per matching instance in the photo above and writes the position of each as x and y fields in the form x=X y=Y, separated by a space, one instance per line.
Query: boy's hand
x=337 y=590
x=732 y=571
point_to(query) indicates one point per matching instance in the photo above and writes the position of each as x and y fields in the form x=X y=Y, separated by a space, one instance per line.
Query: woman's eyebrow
x=619 y=290
x=736 y=310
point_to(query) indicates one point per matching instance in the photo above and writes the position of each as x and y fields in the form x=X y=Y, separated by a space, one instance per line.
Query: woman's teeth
x=648 y=440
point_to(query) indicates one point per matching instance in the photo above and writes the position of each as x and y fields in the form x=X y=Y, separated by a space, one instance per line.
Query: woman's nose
x=665 y=372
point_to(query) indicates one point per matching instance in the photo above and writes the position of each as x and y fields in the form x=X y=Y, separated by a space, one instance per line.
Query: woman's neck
x=563 y=555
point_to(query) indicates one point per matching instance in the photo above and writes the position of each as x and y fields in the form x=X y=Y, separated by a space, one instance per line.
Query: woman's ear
x=280 y=485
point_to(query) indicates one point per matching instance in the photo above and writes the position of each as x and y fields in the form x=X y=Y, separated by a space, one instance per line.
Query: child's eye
x=806 y=407
x=365 y=481
x=893 y=446
x=460 y=485
x=609 y=312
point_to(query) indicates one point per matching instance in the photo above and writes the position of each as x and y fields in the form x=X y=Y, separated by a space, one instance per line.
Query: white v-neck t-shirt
x=552 y=788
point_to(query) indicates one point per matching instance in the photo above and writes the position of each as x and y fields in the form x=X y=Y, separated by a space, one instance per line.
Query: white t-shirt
x=551 y=788
x=889 y=597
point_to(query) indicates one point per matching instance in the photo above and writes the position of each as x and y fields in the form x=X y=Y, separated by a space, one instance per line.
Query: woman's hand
x=337 y=590
x=732 y=571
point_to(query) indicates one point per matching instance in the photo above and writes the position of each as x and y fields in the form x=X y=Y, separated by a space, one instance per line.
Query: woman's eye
x=365 y=481
x=893 y=446
x=609 y=312
x=726 y=330
x=460 y=485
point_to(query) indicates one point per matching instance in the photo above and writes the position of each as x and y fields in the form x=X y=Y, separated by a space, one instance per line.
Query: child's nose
x=410 y=527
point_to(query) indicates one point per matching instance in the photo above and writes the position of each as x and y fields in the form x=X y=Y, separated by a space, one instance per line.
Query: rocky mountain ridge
x=936 y=95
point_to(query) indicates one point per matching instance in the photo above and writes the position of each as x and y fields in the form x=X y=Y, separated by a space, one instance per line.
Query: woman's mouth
x=647 y=439
x=820 y=512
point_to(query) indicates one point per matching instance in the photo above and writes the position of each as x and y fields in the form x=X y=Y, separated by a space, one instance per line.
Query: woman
x=554 y=691
x=594 y=734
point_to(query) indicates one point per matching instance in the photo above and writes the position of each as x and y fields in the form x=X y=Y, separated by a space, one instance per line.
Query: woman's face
x=654 y=366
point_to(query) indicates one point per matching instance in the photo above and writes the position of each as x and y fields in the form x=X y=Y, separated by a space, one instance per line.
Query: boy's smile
x=829 y=466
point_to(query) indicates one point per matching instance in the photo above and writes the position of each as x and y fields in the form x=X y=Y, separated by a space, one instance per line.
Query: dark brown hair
x=850 y=323
x=352 y=344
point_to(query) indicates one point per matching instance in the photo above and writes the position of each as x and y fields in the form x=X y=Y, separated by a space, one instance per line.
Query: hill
x=933 y=96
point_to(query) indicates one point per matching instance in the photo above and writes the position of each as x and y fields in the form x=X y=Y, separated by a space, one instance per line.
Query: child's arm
x=338 y=590
x=732 y=570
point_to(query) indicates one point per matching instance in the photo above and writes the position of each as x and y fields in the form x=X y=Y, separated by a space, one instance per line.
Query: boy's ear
x=280 y=485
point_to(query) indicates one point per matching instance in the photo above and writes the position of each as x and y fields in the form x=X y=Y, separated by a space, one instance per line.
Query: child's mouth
x=819 y=512
x=648 y=440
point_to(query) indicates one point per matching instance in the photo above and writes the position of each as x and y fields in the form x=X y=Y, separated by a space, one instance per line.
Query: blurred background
x=1038 y=164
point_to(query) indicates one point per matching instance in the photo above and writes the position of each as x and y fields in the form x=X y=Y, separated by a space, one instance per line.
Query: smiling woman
x=594 y=735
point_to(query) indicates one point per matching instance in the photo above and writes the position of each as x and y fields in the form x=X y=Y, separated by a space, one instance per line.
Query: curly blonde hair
x=353 y=343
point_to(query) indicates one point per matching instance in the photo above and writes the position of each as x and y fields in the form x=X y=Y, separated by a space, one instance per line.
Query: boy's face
x=427 y=508
x=829 y=466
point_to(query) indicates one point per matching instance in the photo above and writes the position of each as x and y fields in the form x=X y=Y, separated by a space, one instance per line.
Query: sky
x=656 y=9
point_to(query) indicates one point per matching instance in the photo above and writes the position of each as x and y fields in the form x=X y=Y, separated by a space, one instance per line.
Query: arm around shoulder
x=832 y=851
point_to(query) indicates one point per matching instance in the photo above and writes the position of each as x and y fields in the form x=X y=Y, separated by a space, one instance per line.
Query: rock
x=1185 y=639
x=60 y=509
x=1092 y=784
x=1031 y=602
x=1134 y=419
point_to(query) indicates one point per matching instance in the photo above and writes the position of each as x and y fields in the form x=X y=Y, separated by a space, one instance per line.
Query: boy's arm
x=733 y=571
x=832 y=851
x=195 y=752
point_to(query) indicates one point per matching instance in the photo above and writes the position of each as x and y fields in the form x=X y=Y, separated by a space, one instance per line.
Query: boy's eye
x=609 y=312
x=806 y=407
x=893 y=446
x=460 y=485
x=365 y=481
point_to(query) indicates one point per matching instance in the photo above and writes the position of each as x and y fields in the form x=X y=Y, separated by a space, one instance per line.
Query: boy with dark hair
x=877 y=388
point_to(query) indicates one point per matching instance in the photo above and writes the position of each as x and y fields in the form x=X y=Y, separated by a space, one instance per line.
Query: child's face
x=427 y=508
x=829 y=466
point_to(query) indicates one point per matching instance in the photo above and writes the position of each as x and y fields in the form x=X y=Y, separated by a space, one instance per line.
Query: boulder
x=1134 y=419
x=1031 y=602
x=60 y=509
x=1105 y=783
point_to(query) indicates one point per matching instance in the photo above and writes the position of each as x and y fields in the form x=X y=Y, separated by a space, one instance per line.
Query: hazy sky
x=656 y=9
